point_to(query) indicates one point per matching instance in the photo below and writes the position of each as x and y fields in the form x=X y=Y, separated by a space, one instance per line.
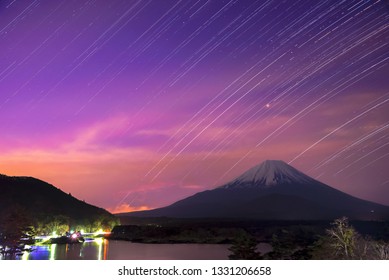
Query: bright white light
x=99 y=240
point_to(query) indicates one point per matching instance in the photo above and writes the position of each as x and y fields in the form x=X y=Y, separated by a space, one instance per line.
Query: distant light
x=74 y=235
x=267 y=105
x=54 y=234
x=82 y=231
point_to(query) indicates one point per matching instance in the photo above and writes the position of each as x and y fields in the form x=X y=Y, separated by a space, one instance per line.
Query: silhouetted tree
x=16 y=230
x=293 y=243
x=58 y=224
x=244 y=248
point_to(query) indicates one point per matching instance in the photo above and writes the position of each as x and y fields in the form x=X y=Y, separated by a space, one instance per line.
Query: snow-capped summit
x=270 y=173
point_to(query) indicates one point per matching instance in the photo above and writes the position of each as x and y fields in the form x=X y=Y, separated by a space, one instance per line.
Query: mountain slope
x=272 y=190
x=40 y=199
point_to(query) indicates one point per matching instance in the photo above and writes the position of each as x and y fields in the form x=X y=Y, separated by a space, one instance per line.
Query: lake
x=104 y=249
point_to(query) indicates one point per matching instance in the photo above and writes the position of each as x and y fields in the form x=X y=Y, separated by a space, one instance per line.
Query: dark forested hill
x=41 y=201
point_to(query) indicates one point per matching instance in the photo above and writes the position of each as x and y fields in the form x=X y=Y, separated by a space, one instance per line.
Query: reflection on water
x=103 y=249
x=89 y=250
x=138 y=251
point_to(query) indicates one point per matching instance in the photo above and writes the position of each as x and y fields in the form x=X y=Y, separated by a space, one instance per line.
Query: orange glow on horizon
x=124 y=208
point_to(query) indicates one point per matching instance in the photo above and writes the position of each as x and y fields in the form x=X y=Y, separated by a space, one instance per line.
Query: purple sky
x=136 y=104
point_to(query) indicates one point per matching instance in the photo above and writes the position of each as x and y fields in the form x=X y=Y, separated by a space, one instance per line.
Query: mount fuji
x=272 y=190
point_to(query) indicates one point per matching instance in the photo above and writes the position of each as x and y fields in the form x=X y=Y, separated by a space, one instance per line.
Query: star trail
x=136 y=104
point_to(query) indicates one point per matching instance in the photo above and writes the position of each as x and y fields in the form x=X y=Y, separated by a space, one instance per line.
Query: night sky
x=136 y=104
